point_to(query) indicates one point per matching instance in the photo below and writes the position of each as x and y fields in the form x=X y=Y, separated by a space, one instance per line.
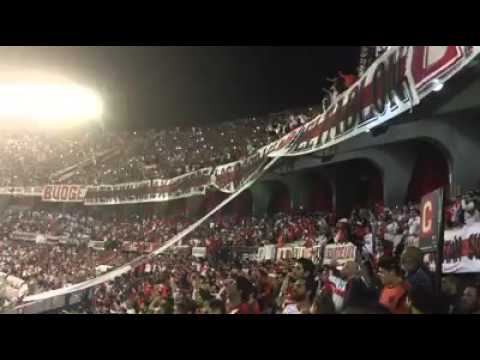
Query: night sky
x=165 y=86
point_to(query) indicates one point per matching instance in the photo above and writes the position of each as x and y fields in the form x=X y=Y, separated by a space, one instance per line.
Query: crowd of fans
x=180 y=284
x=34 y=159
x=390 y=266
x=389 y=275
x=101 y=157
x=48 y=267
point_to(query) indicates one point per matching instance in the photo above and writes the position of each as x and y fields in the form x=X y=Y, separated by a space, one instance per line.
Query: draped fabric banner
x=230 y=177
x=158 y=190
x=190 y=184
x=125 y=193
x=22 y=190
x=392 y=85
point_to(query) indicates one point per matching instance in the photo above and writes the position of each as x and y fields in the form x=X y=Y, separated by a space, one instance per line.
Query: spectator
x=471 y=213
x=240 y=297
x=449 y=301
x=265 y=290
x=395 y=289
x=348 y=79
x=470 y=303
x=418 y=275
x=357 y=292
x=323 y=304
x=299 y=301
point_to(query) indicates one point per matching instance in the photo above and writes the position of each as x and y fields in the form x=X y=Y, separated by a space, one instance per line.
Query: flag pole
x=440 y=244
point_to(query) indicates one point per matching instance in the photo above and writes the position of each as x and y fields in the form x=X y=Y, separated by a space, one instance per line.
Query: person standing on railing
x=348 y=79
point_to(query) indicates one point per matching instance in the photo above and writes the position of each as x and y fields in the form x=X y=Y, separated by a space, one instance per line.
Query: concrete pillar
x=194 y=206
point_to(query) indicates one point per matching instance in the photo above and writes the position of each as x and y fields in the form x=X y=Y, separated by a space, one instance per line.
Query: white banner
x=461 y=249
x=261 y=254
x=23 y=236
x=343 y=253
x=22 y=191
x=199 y=252
x=97 y=245
x=270 y=252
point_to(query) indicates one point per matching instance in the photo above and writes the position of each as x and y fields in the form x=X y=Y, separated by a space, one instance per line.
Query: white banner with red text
x=64 y=193
x=392 y=85
x=342 y=253
x=461 y=250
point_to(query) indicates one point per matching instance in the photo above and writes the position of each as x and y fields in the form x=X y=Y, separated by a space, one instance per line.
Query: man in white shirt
x=300 y=303
x=368 y=241
x=472 y=214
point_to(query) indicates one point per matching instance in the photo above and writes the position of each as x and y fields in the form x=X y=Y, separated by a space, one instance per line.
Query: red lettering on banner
x=428 y=61
x=73 y=195
x=64 y=193
x=56 y=193
x=396 y=74
x=340 y=117
x=47 y=192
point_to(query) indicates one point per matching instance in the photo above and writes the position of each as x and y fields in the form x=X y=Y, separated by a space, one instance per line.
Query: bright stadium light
x=44 y=99
x=48 y=103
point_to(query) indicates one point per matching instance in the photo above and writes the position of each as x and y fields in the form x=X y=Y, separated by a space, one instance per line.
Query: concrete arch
x=270 y=196
x=321 y=197
x=433 y=169
x=458 y=136
x=358 y=183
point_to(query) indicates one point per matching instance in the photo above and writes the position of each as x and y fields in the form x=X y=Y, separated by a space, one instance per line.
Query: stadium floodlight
x=48 y=103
